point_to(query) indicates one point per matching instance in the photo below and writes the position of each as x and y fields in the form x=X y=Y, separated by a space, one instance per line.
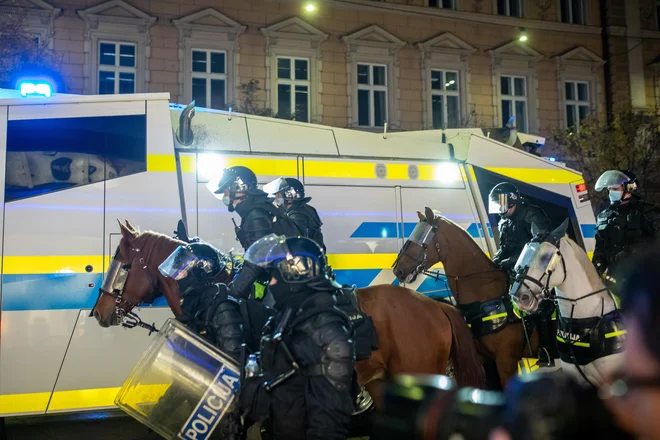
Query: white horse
x=590 y=332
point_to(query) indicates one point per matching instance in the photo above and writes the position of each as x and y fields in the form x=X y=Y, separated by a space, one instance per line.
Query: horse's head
x=422 y=249
x=539 y=269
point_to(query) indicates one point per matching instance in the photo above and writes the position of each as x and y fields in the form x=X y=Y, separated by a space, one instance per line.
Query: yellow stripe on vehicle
x=615 y=334
x=71 y=264
x=493 y=317
x=23 y=403
x=537 y=175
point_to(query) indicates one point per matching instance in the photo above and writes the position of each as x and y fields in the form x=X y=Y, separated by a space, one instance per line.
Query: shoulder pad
x=325 y=327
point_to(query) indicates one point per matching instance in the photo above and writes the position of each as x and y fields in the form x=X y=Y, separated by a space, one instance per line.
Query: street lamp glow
x=523 y=37
x=310 y=7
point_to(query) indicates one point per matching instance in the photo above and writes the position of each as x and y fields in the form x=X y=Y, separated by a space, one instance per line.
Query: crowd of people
x=306 y=386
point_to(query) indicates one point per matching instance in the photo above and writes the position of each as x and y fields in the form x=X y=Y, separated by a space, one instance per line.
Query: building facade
x=415 y=64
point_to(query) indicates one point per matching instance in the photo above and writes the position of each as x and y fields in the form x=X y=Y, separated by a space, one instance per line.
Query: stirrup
x=545 y=361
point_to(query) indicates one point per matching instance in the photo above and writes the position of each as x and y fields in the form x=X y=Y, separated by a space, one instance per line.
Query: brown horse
x=472 y=277
x=416 y=334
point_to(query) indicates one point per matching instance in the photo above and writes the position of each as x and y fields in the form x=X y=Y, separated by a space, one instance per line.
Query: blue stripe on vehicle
x=389 y=230
x=588 y=231
x=357 y=277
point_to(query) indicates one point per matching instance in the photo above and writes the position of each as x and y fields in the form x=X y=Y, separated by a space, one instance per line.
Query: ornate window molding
x=38 y=17
x=295 y=38
x=374 y=45
x=579 y=65
x=516 y=59
x=116 y=21
x=208 y=30
x=445 y=52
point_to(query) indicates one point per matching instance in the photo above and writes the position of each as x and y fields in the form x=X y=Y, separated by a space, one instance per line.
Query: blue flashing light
x=552 y=159
x=35 y=88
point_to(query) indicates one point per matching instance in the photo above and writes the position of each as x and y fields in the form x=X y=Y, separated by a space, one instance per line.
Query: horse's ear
x=130 y=226
x=126 y=234
x=430 y=215
x=535 y=230
x=558 y=233
x=421 y=216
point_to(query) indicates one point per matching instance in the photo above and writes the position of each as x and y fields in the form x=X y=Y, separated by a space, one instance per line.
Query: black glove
x=254 y=400
x=240 y=287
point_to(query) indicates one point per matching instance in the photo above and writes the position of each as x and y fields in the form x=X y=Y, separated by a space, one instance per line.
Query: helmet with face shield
x=288 y=188
x=236 y=179
x=502 y=197
x=193 y=266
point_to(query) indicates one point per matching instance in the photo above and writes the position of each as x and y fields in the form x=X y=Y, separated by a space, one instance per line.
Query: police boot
x=547 y=339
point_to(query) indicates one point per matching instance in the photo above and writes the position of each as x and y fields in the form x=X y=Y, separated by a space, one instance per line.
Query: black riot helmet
x=193 y=266
x=295 y=263
x=237 y=179
x=502 y=197
x=291 y=189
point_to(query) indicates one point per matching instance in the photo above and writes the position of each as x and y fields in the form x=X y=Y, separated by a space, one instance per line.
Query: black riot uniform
x=290 y=193
x=515 y=232
x=259 y=217
x=307 y=354
x=515 y=229
x=624 y=225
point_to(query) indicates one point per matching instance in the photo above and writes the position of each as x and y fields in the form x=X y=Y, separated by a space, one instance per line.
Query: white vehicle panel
x=269 y=135
x=86 y=110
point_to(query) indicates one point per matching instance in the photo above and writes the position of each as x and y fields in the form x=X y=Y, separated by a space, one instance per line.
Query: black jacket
x=516 y=232
x=307 y=220
x=259 y=217
x=620 y=230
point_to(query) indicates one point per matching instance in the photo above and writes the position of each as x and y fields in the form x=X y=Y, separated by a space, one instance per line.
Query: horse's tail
x=467 y=366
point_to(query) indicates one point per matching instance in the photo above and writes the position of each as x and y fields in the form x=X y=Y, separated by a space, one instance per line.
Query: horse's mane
x=466 y=238
x=585 y=262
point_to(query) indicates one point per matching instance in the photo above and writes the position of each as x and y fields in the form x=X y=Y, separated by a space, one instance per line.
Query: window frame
x=576 y=103
x=208 y=76
x=522 y=4
x=515 y=98
x=117 y=68
x=372 y=88
x=293 y=83
x=452 y=8
x=585 y=13
x=445 y=93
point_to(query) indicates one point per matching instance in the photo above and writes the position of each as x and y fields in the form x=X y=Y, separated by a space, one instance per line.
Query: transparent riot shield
x=182 y=387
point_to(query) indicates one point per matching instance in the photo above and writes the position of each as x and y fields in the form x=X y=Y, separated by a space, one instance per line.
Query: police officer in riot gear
x=289 y=193
x=624 y=225
x=207 y=308
x=515 y=228
x=259 y=217
x=307 y=354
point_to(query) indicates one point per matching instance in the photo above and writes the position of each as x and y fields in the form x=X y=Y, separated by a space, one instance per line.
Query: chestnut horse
x=472 y=278
x=415 y=334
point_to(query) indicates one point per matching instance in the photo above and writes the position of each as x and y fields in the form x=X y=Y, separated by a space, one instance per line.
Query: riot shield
x=182 y=387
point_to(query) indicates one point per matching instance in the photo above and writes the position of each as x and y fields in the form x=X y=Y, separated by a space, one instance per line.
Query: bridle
x=522 y=276
x=114 y=285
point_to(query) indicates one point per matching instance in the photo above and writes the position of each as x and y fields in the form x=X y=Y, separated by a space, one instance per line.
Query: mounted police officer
x=515 y=228
x=307 y=354
x=289 y=193
x=624 y=225
x=259 y=217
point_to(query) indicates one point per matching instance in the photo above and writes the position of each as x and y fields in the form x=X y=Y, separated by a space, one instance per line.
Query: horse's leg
x=376 y=389
x=507 y=351
x=371 y=375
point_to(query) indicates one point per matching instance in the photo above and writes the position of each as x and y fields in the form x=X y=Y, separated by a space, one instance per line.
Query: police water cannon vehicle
x=73 y=164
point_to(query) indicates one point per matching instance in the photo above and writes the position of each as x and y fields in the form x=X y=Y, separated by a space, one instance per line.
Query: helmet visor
x=179 y=263
x=611 y=178
x=498 y=204
x=299 y=268
x=267 y=251
x=275 y=186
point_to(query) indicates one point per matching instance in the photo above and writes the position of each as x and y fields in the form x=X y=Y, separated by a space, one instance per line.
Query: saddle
x=582 y=341
x=364 y=331
x=488 y=317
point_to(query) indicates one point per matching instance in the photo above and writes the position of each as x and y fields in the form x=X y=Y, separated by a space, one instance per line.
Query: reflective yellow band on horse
x=577 y=344
x=615 y=334
x=492 y=317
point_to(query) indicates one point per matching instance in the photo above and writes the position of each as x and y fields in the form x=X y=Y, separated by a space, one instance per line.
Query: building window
x=293 y=87
x=573 y=11
x=116 y=68
x=578 y=102
x=511 y=8
x=445 y=99
x=657 y=13
x=513 y=90
x=209 y=78
x=445 y=4
x=372 y=95
x=48 y=155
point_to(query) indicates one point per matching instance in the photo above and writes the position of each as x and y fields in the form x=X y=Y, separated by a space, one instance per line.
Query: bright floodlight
x=209 y=166
x=447 y=172
x=32 y=88
x=310 y=7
